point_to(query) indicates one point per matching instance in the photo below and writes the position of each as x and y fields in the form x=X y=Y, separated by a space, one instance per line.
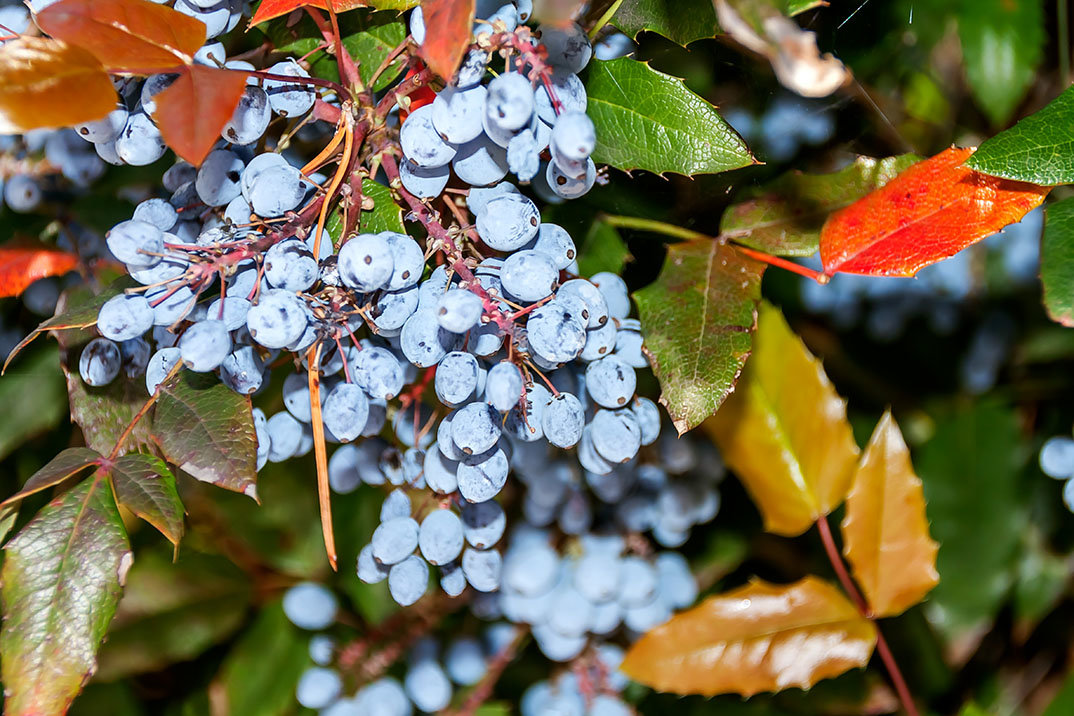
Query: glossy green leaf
x=1057 y=261
x=1039 y=149
x=648 y=120
x=207 y=430
x=1002 y=45
x=602 y=249
x=260 y=673
x=977 y=510
x=67 y=464
x=698 y=318
x=385 y=214
x=145 y=486
x=37 y=375
x=682 y=21
x=784 y=217
x=784 y=431
x=173 y=612
x=62 y=577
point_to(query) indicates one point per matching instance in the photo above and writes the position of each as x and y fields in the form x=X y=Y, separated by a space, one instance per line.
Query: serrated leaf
x=145 y=486
x=384 y=216
x=47 y=83
x=928 y=213
x=126 y=35
x=62 y=577
x=681 y=21
x=104 y=413
x=885 y=531
x=978 y=509
x=40 y=376
x=1057 y=261
x=65 y=465
x=760 y=637
x=193 y=109
x=698 y=318
x=173 y=612
x=784 y=217
x=450 y=22
x=1038 y=149
x=269 y=9
x=260 y=673
x=784 y=431
x=207 y=430
x=602 y=249
x=1002 y=45
x=648 y=120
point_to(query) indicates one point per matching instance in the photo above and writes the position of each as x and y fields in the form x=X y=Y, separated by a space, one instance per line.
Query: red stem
x=778 y=262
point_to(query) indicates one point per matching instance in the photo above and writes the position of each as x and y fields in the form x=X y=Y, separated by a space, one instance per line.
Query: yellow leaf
x=885 y=531
x=46 y=83
x=760 y=637
x=784 y=431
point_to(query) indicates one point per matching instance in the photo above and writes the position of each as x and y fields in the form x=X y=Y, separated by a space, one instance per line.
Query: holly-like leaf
x=47 y=83
x=784 y=217
x=681 y=21
x=1057 y=261
x=885 y=531
x=65 y=465
x=207 y=430
x=760 y=637
x=602 y=249
x=648 y=120
x=699 y=317
x=193 y=110
x=385 y=215
x=145 y=486
x=1037 y=149
x=126 y=35
x=928 y=213
x=21 y=267
x=1002 y=45
x=269 y=9
x=62 y=576
x=104 y=413
x=449 y=22
x=784 y=431
x=173 y=612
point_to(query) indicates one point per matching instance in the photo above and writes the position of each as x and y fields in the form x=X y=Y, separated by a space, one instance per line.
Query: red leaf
x=269 y=9
x=418 y=98
x=449 y=24
x=21 y=267
x=931 y=211
x=138 y=36
x=193 y=110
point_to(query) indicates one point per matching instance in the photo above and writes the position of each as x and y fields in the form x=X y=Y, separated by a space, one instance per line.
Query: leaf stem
x=892 y=667
x=604 y=19
x=784 y=264
x=142 y=412
x=653 y=226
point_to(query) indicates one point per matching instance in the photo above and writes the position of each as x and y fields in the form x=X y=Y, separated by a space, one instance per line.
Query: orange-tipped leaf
x=193 y=110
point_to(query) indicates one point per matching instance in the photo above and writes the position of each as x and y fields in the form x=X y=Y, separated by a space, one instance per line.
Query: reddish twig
x=483 y=690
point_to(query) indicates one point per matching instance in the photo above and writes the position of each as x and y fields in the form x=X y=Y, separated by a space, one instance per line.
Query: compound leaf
x=145 y=486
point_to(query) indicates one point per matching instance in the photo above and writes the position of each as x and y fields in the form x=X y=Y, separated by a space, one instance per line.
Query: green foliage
x=145 y=486
x=602 y=249
x=1057 y=261
x=1037 y=149
x=36 y=374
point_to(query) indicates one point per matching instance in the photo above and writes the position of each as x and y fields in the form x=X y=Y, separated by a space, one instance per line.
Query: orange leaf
x=46 y=83
x=269 y=9
x=931 y=211
x=21 y=267
x=450 y=23
x=193 y=110
x=885 y=531
x=760 y=637
x=129 y=35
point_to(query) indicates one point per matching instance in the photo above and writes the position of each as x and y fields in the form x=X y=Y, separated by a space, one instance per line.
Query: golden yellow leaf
x=760 y=637
x=46 y=83
x=784 y=431
x=885 y=531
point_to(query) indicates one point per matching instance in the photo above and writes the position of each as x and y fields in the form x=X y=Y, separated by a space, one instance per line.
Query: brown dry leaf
x=793 y=52
x=48 y=83
x=885 y=531
x=760 y=637
x=784 y=431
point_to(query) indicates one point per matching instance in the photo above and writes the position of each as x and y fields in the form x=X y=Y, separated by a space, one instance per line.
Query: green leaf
x=207 y=430
x=260 y=673
x=648 y=120
x=698 y=318
x=8 y=515
x=1063 y=703
x=384 y=216
x=784 y=217
x=1042 y=579
x=62 y=578
x=38 y=376
x=682 y=21
x=1057 y=261
x=977 y=510
x=67 y=464
x=1002 y=45
x=1039 y=149
x=145 y=486
x=372 y=46
x=173 y=612
x=104 y=413
x=602 y=249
